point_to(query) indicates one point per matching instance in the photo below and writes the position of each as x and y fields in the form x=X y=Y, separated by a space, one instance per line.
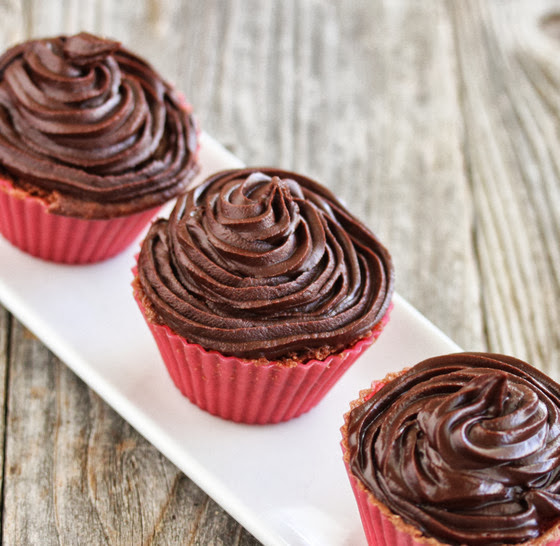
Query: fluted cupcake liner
x=26 y=222
x=381 y=526
x=379 y=529
x=247 y=391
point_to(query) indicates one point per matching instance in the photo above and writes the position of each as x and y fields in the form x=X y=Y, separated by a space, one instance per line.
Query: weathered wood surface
x=436 y=121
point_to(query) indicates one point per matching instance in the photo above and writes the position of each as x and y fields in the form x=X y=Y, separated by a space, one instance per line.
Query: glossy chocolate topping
x=265 y=263
x=465 y=447
x=92 y=128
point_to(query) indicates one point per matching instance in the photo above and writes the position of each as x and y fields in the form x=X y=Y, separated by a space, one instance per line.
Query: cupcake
x=459 y=449
x=92 y=143
x=261 y=290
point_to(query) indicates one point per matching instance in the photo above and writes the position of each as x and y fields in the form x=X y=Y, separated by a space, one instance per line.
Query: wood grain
x=5 y=323
x=509 y=80
x=435 y=121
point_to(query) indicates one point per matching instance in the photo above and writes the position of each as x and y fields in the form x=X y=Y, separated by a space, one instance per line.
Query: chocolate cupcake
x=261 y=290
x=92 y=143
x=459 y=449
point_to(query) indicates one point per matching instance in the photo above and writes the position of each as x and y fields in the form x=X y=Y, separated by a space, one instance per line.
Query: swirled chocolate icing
x=466 y=447
x=91 y=127
x=264 y=263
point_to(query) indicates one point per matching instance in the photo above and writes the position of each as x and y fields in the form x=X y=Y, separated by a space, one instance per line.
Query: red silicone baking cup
x=245 y=391
x=381 y=526
x=378 y=528
x=26 y=222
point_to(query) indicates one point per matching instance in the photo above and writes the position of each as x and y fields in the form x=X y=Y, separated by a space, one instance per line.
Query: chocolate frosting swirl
x=91 y=127
x=466 y=447
x=265 y=263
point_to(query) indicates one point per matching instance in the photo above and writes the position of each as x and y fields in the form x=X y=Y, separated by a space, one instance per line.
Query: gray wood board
x=436 y=122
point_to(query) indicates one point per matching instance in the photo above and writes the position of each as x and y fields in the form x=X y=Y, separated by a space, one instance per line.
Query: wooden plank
x=30 y=433
x=509 y=79
x=13 y=23
x=394 y=154
x=5 y=323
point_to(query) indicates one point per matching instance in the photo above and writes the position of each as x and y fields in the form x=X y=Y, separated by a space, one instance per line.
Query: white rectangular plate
x=285 y=483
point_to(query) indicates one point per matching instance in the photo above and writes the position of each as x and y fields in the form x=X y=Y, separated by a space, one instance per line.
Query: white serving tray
x=285 y=483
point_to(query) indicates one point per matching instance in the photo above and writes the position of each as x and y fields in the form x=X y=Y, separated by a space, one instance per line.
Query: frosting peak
x=265 y=263
x=85 y=49
x=255 y=227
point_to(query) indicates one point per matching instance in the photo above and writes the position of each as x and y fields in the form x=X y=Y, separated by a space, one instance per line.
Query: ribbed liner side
x=245 y=391
x=26 y=223
x=378 y=528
